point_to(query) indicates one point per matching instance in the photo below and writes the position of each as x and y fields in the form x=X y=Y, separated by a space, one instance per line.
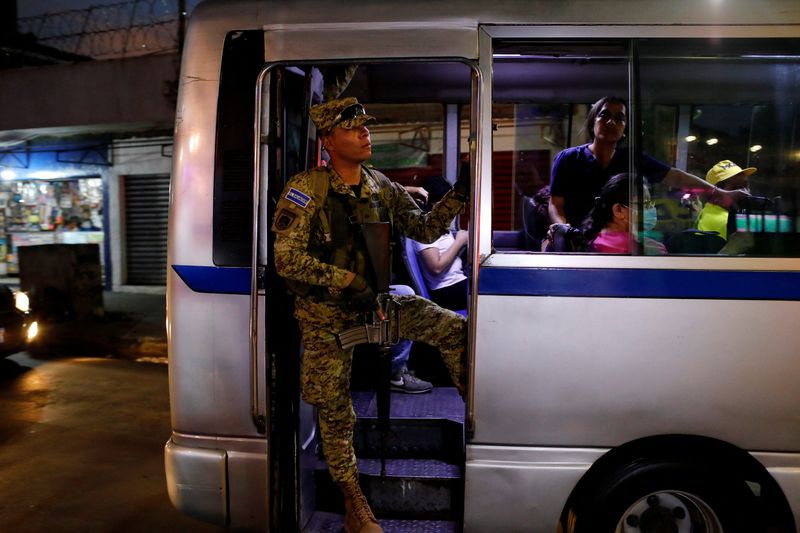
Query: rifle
x=378 y=326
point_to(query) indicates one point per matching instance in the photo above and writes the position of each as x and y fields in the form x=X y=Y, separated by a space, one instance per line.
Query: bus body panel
x=641 y=366
x=540 y=478
x=244 y=14
x=192 y=184
x=209 y=362
x=218 y=480
x=785 y=468
x=394 y=42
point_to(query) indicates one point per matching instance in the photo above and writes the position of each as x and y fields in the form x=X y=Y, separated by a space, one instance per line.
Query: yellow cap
x=725 y=170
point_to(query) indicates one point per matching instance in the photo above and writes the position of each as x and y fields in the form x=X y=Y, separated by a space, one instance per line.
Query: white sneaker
x=408 y=383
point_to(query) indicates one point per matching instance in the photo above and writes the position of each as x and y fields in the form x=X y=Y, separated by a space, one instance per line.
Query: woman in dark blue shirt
x=581 y=171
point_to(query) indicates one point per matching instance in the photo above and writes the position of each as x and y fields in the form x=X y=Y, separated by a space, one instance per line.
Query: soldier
x=322 y=257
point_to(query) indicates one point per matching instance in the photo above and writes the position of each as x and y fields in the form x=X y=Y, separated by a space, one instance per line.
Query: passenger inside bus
x=405 y=380
x=440 y=261
x=607 y=229
x=579 y=172
x=726 y=176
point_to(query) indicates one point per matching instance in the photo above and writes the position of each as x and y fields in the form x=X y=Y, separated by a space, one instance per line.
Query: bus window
x=242 y=58
x=542 y=92
x=726 y=111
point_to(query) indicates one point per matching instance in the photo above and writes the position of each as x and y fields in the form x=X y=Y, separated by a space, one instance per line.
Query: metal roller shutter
x=146 y=208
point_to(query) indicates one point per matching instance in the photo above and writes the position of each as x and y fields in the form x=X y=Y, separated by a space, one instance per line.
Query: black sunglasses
x=348 y=113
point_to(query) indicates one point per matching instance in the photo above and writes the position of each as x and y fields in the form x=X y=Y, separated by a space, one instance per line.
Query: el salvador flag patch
x=297 y=197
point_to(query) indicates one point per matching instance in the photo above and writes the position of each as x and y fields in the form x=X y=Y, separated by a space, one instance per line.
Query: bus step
x=421 y=438
x=441 y=402
x=429 y=425
x=332 y=523
x=413 y=488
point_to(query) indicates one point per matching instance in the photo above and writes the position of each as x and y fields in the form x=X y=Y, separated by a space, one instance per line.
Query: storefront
x=52 y=191
x=113 y=193
x=47 y=211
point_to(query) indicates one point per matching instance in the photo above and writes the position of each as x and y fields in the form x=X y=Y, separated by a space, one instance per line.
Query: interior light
x=712 y=141
x=755 y=148
x=7 y=174
x=33 y=330
x=22 y=302
x=690 y=138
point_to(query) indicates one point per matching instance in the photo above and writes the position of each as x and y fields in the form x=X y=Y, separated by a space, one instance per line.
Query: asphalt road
x=81 y=447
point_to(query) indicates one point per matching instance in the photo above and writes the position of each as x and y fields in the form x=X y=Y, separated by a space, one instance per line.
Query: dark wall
x=136 y=90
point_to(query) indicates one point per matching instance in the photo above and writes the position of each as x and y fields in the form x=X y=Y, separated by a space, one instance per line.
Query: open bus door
x=288 y=93
x=423 y=486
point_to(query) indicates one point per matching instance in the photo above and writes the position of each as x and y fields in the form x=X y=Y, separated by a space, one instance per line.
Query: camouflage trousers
x=325 y=377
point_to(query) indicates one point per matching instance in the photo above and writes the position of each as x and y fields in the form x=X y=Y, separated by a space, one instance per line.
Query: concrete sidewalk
x=133 y=327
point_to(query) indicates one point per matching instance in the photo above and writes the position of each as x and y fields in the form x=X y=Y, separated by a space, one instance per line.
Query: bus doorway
x=423 y=122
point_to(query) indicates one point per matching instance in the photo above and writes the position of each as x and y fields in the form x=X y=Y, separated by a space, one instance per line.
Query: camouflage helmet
x=345 y=113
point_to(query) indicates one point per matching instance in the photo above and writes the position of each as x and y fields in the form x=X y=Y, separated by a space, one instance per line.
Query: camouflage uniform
x=302 y=251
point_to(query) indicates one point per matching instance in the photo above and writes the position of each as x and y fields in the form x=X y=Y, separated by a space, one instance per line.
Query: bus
x=607 y=392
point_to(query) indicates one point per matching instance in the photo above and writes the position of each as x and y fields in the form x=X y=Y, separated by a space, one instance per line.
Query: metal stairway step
x=332 y=523
x=410 y=438
x=412 y=488
x=440 y=403
x=422 y=426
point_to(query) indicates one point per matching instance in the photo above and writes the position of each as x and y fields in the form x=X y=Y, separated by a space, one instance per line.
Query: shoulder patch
x=284 y=220
x=297 y=197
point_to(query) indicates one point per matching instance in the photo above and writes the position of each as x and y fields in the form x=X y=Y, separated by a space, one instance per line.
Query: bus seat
x=412 y=265
x=694 y=241
x=504 y=240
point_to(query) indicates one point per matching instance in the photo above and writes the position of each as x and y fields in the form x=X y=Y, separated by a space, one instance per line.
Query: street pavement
x=82 y=447
x=84 y=416
x=133 y=326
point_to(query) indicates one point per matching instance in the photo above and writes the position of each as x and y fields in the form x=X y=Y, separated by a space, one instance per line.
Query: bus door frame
x=287 y=46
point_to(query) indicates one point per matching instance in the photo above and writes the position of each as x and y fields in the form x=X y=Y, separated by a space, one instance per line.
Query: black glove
x=362 y=298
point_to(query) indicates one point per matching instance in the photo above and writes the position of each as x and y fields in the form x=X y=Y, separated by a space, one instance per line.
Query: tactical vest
x=339 y=218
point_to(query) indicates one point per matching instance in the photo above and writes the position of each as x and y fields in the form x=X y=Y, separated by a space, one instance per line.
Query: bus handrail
x=258 y=414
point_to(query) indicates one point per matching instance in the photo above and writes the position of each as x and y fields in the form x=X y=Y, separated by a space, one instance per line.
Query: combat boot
x=358 y=517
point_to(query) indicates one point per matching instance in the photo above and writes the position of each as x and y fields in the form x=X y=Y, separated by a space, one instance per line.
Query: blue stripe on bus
x=579 y=282
x=640 y=283
x=227 y=280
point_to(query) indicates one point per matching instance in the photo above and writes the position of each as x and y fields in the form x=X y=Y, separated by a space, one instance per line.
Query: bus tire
x=647 y=494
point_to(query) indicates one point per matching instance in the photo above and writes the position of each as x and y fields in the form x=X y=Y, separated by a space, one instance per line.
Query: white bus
x=608 y=392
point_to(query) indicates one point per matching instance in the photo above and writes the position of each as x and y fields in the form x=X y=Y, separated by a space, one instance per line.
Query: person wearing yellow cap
x=320 y=252
x=726 y=176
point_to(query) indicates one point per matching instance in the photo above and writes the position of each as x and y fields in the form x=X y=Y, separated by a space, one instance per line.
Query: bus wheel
x=670 y=511
x=660 y=495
